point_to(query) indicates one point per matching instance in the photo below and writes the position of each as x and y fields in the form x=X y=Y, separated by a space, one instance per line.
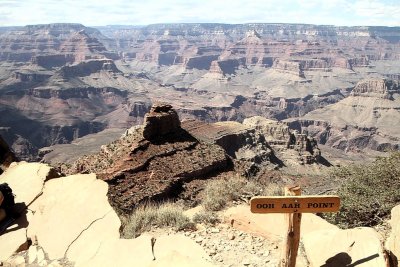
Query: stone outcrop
x=392 y=243
x=285 y=140
x=160 y=155
x=6 y=155
x=288 y=66
x=30 y=76
x=27 y=182
x=375 y=88
x=161 y=120
x=87 y=67
x=81 y=203
x=240 y=142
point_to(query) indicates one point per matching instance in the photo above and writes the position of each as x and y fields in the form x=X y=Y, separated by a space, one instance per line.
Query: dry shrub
x=206 y=217
x=152 y=215
x=273 y=190
x=218 y=193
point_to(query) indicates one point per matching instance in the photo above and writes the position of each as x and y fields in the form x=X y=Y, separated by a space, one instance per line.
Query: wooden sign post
x=294 y=205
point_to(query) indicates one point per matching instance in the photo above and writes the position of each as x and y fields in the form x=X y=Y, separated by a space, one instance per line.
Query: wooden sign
x=295 y=204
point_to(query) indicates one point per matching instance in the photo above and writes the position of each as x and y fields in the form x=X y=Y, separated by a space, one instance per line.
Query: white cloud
x=103 y=12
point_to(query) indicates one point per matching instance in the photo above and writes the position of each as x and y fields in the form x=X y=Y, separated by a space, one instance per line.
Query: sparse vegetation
x=368 y=192
x=151 y=215
x=273 y=190
x=218 y=193
x=206 y=217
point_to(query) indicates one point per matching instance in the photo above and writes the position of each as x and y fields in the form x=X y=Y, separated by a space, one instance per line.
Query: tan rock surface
x=26 y=180
x=87 y=245
x=393 y=242
x=358 y=246
x=10 y=242
x=68 y=207
x=272 y=225
x=169 y=250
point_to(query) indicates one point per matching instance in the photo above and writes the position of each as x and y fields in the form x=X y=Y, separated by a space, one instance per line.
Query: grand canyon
x=134 y=115
x=60 y=82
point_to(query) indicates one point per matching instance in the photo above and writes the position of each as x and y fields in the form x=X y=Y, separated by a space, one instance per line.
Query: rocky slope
x=160 y=155
x=173 y=158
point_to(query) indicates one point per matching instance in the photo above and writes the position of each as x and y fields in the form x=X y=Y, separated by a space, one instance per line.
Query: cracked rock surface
x=27 y=181
x=71 y=205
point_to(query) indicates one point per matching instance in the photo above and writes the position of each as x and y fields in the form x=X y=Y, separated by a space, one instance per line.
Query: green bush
x=368 y=192
x=152 y=215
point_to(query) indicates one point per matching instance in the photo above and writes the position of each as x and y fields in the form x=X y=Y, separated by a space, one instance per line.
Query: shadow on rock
x=324 y=161
x=344 y=260
x=21 y=221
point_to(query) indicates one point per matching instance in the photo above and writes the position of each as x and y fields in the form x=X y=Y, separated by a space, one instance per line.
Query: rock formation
x=160 y=155
x=286 y=141
x=161 y=120
x=345 y=247
x=376 y=88
x=244 y=144
x=76 y=211
x=367 y=119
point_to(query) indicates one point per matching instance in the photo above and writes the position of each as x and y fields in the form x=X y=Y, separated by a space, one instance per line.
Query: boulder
x=74 y=222
x=68 y=209
x=161 y=120
x=331 y=248
x=393 y=242
x=26 y=180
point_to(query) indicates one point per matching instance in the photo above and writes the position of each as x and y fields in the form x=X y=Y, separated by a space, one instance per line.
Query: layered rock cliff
x=211 y=72
x=367 y=119
x=53 y=45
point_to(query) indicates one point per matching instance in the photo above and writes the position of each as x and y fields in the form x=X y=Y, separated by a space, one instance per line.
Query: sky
x=144 y=12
